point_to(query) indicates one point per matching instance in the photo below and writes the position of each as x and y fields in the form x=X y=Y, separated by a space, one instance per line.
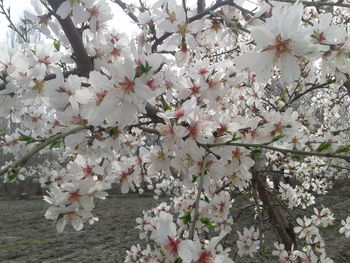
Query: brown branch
x=299 y=95
x=126 y=9
x=244 y=11
x=190 y=20
x=84 y=63
x=281 y=150
x=200 y=6
x=48 y=77
x=39 y=147
x=196 y=203
x=7 y=15
x=317 y=4
x=283 y=227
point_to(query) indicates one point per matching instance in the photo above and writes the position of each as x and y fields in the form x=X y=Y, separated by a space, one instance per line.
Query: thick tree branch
x=200 y=6
x=84 y=63
x=41 y=146
x=283 y=227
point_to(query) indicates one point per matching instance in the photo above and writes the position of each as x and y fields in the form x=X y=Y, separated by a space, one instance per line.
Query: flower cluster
x=208 y=104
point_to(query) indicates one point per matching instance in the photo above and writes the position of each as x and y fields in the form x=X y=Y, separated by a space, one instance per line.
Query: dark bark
x=278 y=219
x=84 y=63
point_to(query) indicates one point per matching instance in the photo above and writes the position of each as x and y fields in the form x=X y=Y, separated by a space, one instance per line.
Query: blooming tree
x=206 y=103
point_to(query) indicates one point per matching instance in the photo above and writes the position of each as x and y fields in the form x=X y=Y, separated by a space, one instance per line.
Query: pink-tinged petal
x=185 y=251
x=64 y=9
x=166 y=227
x=61 y=223
x=79 y=14
x=263 y=37
x=83 y=96
x=260 y=63
x=87 y=202
x=125 y=187
x=290 y=69
x=77 y=223
x=215 y=240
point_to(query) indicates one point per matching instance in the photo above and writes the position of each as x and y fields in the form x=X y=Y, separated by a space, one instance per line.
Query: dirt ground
x=26 y=236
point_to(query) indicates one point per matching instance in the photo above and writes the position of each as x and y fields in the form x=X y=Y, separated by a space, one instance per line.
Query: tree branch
x=84 y=63
x=283 y=227
x=299 y=95
x=41 y=146
x=11 y=24
x=190 y=20
x=200 y=6
x=296 y=152
x=47 y=77
x=196 y=203
x=317 y=4
x=126 y=9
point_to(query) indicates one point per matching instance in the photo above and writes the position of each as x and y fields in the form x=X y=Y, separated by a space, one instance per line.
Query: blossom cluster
x=203 y=104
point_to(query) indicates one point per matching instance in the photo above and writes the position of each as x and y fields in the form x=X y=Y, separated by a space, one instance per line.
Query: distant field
x=26 y=236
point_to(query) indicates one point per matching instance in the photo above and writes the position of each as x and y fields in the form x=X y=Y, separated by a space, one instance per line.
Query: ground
x=26 y=236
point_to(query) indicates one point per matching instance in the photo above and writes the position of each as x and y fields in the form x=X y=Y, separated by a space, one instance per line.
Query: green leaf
x=194 y=178
x=114 y=132
x=232 y=75
x=13 y=173
x=26 y=138
x=165 y=105
x=257 y=151
x=343 y=149
x=186 y=218
x=277 y=138
x=207 y=223
x=152 y=27
x=145 y=69
x=323 y=146
x=235 y=138
x=57 y=45
x=178 y=260
x=55 y=144
x=296 y=158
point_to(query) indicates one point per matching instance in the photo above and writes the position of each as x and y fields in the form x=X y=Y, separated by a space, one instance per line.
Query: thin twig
x=196 y=204
x=299 y=95
x=296 y=152
x=230 y=23
x=205 y=12
x=41 y=146
x=7 y=15
x=126 y=10
x=317 y=4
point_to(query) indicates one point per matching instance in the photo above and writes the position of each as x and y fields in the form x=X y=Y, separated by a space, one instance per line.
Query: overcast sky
x=121 y=21
x=18 y=6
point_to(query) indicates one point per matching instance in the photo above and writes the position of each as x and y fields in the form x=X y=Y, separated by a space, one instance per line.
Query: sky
x=120 y=18
x=18 y=6
x=121 y=21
